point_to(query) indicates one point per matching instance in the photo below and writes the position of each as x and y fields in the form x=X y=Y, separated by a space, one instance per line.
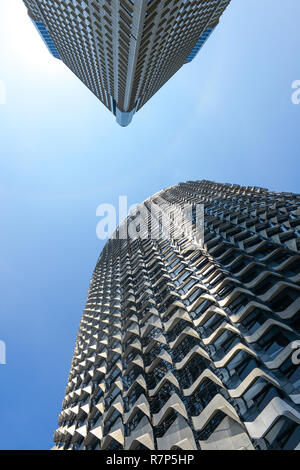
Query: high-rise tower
x=183 y=346
x=124 y=51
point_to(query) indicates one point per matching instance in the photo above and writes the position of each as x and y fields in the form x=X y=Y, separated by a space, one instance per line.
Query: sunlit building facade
x=124 y=51
x=190 y=345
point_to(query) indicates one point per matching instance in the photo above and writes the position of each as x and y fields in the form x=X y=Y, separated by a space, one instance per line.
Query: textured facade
x=182 y=347
x=124 y=51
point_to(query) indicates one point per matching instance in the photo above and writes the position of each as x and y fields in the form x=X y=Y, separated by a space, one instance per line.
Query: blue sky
x=227 y=116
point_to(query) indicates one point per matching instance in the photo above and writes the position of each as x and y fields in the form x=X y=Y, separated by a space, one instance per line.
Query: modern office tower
x=124 y=51
x=189 y=347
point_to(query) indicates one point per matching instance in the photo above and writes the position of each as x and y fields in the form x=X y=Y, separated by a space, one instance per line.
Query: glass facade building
x=125 y=51
x=203 y=38
x=46 y=38
x=185 y=345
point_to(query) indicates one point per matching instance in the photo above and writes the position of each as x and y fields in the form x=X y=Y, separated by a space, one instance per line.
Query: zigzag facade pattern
x=184 y=348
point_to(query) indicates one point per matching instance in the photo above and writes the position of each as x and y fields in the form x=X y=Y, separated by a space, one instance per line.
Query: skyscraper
x=124 y=51
x=184 y=345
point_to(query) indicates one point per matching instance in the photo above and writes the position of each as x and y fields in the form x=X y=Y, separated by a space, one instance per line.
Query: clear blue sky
x=227 y=116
